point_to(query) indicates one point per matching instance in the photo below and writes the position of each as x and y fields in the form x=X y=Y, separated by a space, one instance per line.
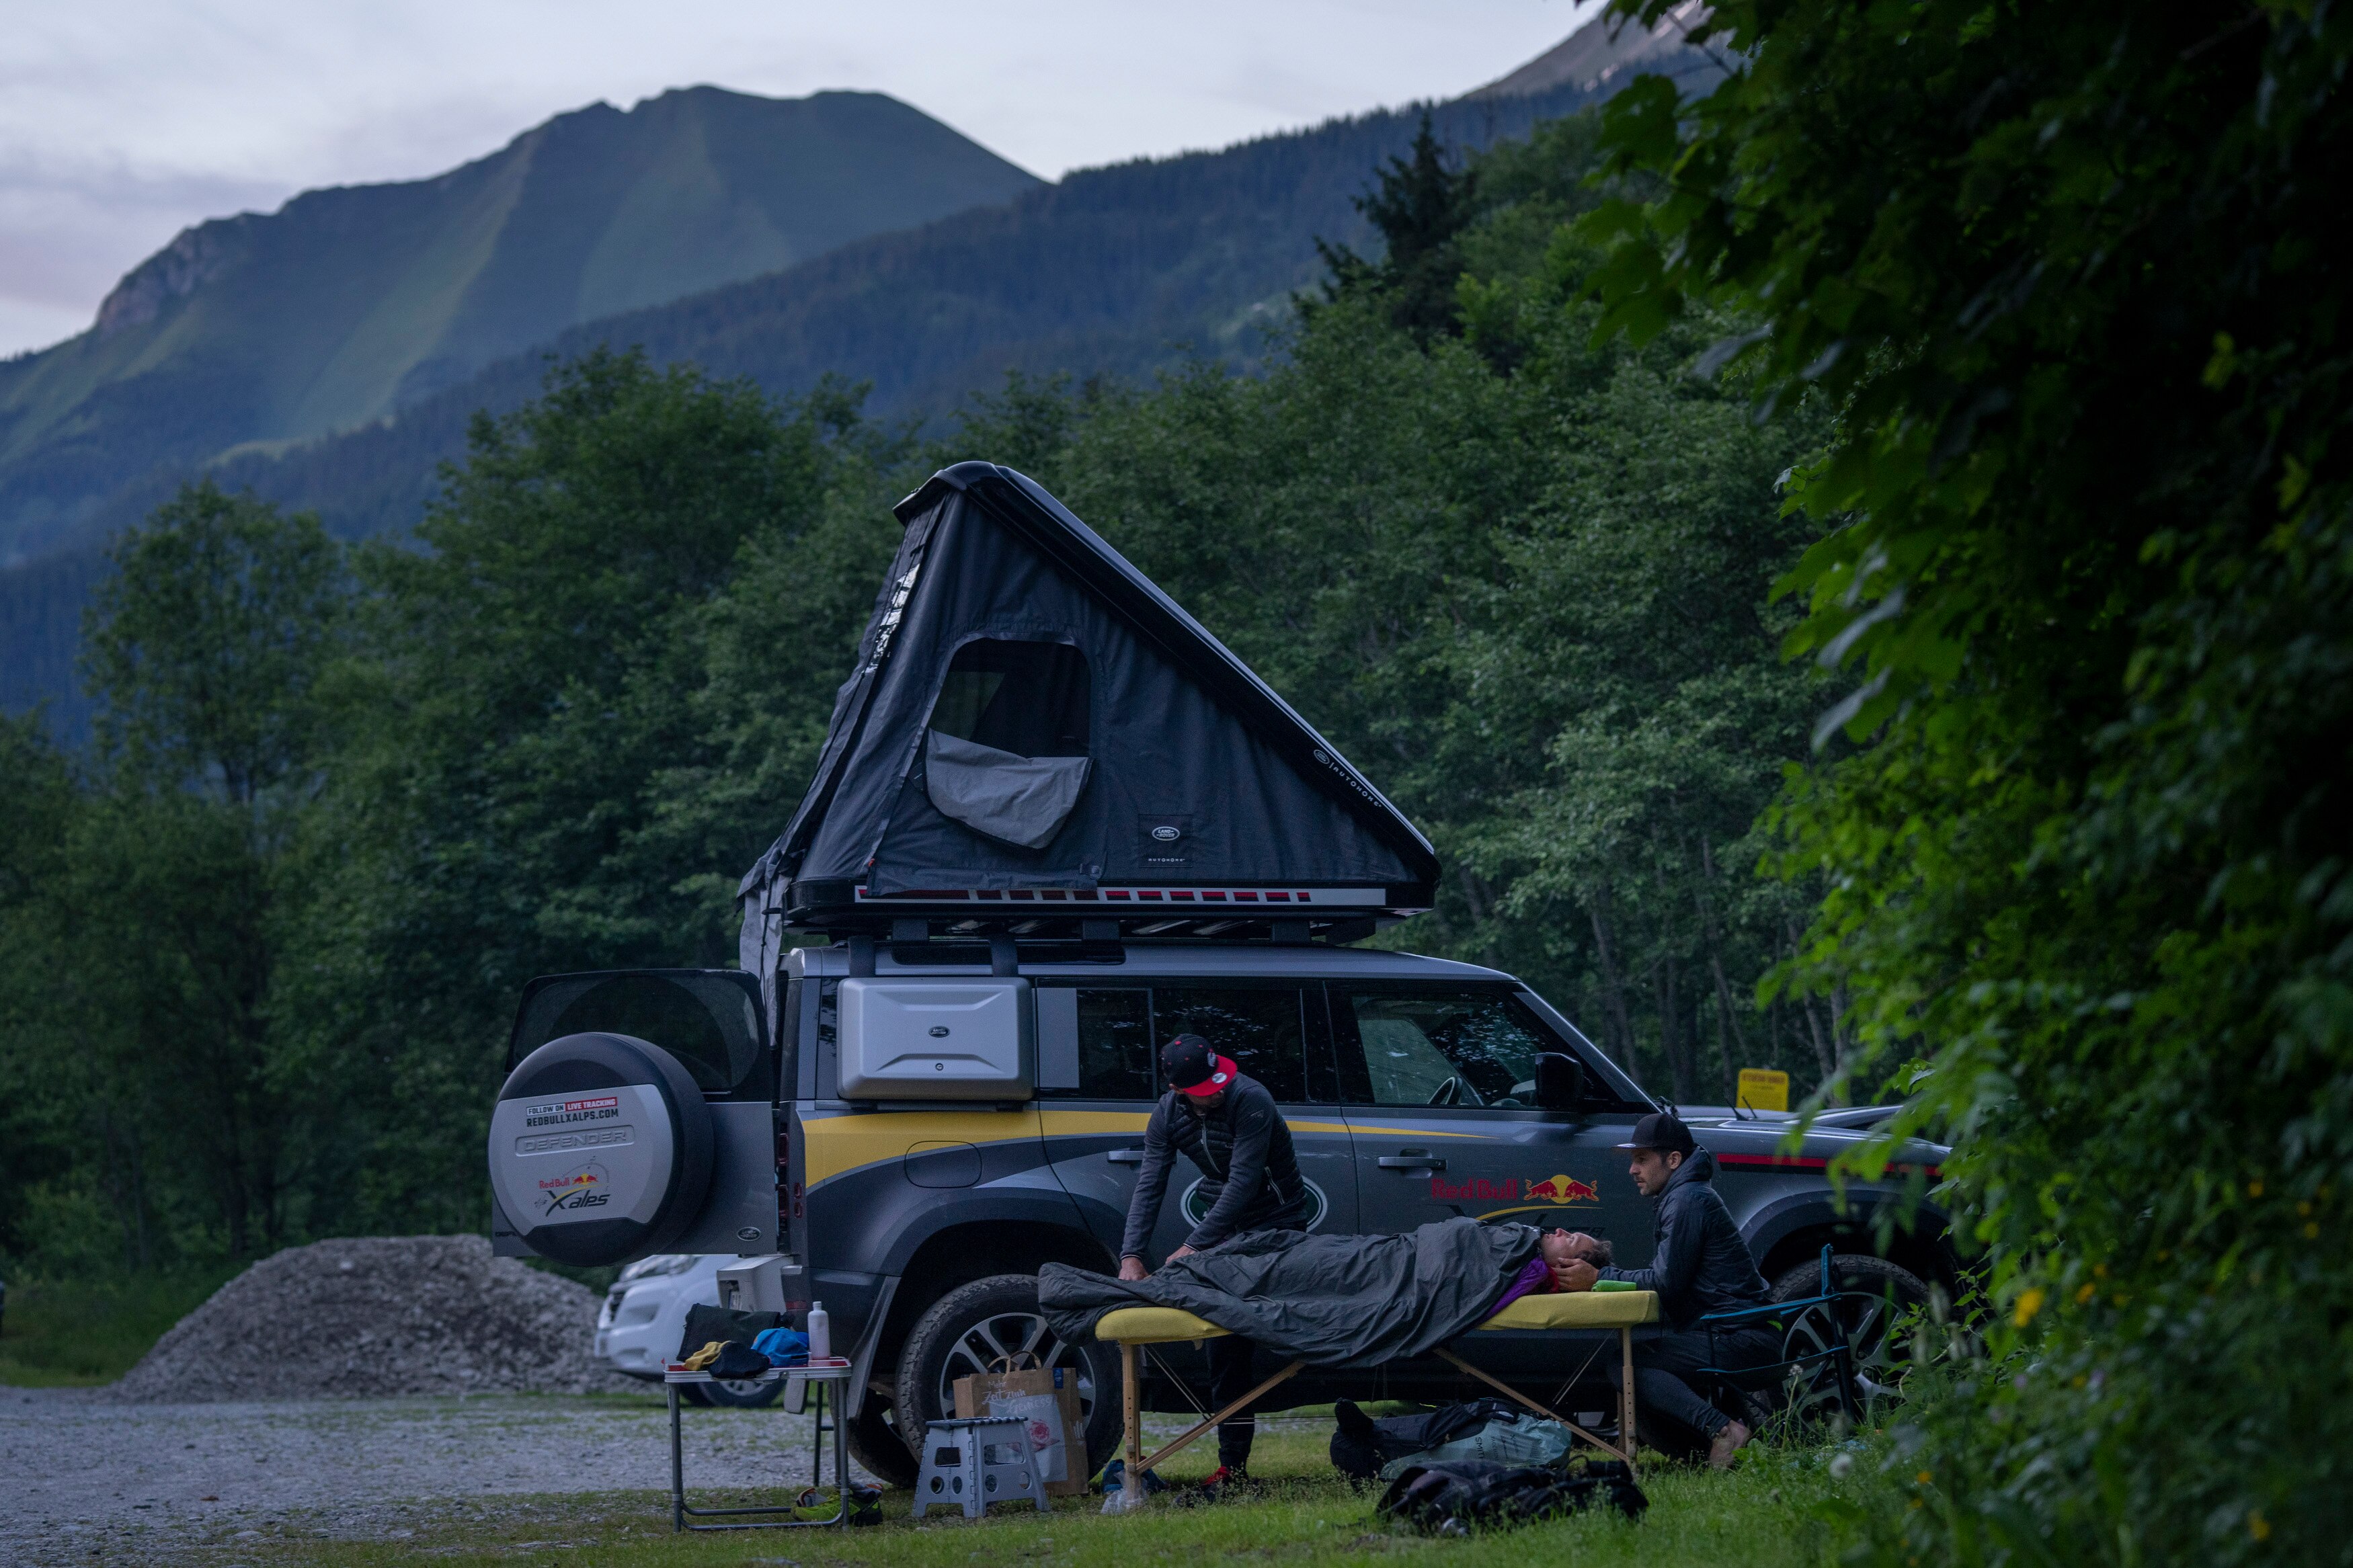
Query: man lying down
x=1339 y=1301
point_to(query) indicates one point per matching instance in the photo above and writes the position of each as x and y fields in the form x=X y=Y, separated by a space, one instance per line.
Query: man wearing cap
x=1227 y=1124
x=1699 y=1265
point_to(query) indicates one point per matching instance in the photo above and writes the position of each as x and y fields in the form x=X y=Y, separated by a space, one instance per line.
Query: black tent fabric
x=1031 y=718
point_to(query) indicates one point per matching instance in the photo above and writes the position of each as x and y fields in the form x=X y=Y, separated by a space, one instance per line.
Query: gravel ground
x=377 y=1318
x=83 y=1479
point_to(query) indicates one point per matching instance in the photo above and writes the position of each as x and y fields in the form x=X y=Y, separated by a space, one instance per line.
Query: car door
x=1439 y=1081
x=1274 y=1031
x=1440 y=1084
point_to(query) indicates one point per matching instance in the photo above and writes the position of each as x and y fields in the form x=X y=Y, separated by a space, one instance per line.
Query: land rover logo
x=1323 y=757
x=1166 y=834
x=1196 y=1207
x=749 y=1233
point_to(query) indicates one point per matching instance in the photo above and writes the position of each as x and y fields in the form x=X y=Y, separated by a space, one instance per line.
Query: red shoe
x=1228 y=1481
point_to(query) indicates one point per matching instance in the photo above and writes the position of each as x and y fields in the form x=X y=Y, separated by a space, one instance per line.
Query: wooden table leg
x=1210 y=1422
x=1626 y=1393
x=1132 y=1399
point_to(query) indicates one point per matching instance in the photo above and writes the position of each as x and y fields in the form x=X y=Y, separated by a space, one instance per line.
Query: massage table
x=1134 y=1327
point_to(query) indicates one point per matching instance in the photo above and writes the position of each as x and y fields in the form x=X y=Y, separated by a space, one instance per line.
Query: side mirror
x=1560 y=1082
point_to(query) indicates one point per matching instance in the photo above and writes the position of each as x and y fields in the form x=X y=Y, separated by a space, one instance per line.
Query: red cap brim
x=1225 y=1074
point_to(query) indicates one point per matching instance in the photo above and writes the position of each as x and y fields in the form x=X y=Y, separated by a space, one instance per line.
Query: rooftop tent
x=1035 y=736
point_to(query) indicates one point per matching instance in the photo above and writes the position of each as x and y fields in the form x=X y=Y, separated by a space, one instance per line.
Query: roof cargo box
x=1037 y=741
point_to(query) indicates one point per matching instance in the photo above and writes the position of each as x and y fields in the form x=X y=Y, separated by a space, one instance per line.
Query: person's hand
x=1574 y=1275
x=1180 y=1252
x=1132 y=1269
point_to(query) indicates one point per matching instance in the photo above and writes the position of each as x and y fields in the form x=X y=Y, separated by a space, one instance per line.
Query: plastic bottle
x=821 y=1333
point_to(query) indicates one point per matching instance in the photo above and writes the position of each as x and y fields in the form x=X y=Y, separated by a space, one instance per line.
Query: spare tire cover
x=600 y=1149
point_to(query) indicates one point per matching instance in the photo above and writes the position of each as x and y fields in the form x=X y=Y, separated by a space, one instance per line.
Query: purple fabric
x=1537 y=1276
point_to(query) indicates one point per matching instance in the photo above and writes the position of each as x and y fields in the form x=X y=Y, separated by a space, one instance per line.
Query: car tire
x=749 y=1393
x=874 y=1442
x=1870 y=1298
x=979 y=1328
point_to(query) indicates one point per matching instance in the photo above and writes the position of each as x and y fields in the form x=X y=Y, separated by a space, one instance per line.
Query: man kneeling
x=1700 y=1266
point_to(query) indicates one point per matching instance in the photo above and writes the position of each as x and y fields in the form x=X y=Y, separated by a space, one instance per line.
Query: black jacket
x=1700 y=1265
x=1250 y=1170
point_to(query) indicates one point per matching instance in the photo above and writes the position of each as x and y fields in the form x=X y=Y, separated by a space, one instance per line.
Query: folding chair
x=1785 y=1316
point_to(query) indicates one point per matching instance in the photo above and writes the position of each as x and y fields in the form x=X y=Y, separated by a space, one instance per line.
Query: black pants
x=1663 y=1361
x=1231 y=1360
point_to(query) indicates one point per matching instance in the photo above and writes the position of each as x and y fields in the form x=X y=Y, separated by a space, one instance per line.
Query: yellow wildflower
x=2029 y=1301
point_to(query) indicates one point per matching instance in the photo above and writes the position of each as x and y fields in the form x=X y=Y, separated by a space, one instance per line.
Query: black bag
x=707 y=1322
x=1476 y=1494
x=1361 y=1445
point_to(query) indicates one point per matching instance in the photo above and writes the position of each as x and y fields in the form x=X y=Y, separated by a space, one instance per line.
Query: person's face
x=1650 y=1170
x=1560 y=1246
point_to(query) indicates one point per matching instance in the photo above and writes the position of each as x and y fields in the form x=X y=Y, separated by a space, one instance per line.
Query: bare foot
x=1728 y=1442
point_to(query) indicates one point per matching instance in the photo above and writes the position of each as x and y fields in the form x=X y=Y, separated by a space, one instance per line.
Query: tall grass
x=78 y=1333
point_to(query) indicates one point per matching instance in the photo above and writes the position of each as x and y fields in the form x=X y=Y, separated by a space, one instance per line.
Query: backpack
x=1364 y=1447
x=1475 y=1494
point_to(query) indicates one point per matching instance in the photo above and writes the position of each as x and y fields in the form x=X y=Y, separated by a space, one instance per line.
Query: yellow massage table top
x=1575 y=1309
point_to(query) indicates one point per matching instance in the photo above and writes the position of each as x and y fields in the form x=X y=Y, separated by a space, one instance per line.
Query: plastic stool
x=973 y=1463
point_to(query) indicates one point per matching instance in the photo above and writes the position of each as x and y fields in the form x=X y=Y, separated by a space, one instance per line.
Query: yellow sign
x=1762 y=1088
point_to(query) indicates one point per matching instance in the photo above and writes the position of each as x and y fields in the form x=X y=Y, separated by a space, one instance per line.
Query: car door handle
x=1125 y=1156
x=1410 y=1161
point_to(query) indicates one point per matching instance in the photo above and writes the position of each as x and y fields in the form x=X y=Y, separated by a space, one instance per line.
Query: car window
x=1114 y=1045
x=1259 y=1028
x=1439 y=1046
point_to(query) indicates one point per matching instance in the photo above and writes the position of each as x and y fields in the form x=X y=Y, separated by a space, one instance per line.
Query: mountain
x=1115 y=272
x=1604 y=53
x=349 y=304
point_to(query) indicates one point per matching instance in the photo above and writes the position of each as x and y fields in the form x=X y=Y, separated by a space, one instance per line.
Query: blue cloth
x=782 y=1347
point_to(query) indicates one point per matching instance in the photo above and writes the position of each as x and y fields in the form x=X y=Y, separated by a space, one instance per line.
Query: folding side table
x=819 y=1375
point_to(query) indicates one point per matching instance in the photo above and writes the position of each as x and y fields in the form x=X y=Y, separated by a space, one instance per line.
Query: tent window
x=1027 y=698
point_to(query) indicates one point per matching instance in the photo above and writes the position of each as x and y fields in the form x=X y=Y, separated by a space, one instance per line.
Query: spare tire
x=600 y=1149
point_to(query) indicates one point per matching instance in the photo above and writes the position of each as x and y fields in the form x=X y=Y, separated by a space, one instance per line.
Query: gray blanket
x=1328 y=1301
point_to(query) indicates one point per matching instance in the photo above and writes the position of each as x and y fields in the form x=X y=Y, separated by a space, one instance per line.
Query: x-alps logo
x=572 y=1112
x=582 y=1187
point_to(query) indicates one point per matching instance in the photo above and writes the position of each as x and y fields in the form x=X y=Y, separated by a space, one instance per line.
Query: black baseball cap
x=1661 y=1131
x=1194 y=1067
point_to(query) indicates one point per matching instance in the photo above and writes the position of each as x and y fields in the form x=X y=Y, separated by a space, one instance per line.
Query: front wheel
x=1870 y=1299
x=994 y=1325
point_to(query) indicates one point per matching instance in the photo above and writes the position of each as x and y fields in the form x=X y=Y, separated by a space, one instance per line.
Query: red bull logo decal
x=575 y=1189
x=1512 y=1190
x=1476 y=1190
x=1563 y=1190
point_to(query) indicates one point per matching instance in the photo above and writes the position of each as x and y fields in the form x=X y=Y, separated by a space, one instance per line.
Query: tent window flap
x=1007 y=753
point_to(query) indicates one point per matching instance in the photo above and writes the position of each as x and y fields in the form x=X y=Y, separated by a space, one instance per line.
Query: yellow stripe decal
x=831 y=1145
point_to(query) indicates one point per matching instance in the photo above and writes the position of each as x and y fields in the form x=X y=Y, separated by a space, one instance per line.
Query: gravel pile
x=377 y=1317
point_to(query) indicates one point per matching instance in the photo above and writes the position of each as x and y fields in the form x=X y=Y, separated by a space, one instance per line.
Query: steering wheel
x=1448 y=1093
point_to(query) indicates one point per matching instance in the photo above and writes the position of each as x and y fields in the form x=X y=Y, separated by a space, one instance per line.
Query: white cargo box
x=931 y=1039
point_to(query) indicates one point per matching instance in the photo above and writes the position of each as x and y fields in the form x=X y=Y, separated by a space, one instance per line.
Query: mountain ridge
x=1119 y=271
x=350 y=301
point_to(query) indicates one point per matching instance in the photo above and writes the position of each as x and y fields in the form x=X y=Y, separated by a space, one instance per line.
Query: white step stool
x=970 y=1463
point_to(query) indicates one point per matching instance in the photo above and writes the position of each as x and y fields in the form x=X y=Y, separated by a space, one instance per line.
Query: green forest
x=1853 y=570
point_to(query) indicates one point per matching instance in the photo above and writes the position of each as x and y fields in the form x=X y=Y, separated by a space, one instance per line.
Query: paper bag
x=1046 y=1400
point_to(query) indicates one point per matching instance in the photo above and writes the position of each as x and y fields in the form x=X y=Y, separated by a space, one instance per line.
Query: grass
x=77 y=1333
x=1759 y=1516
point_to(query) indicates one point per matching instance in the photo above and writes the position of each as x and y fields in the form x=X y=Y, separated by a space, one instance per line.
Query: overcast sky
x=122 y=122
